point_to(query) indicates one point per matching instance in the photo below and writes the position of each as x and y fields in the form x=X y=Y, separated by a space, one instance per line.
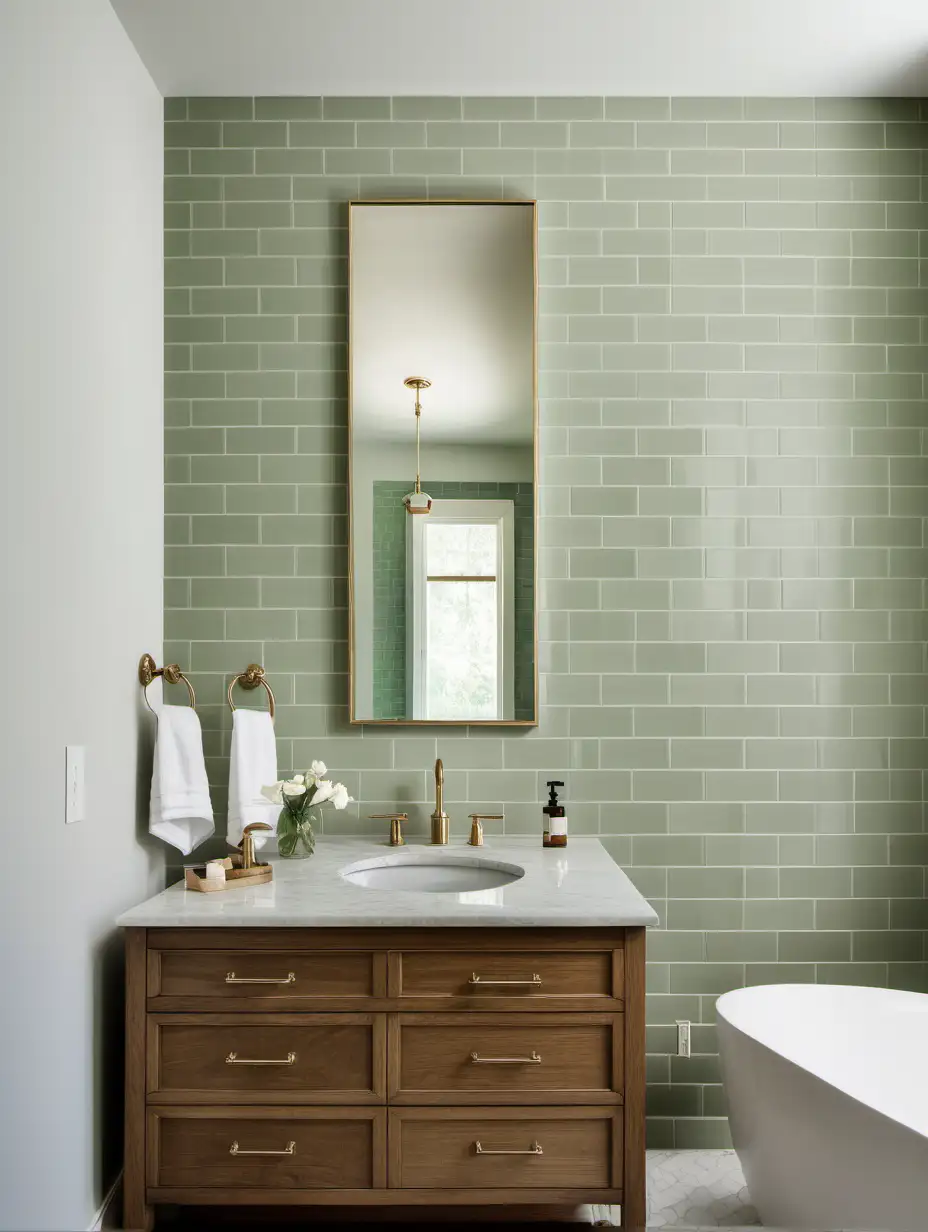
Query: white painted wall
x=81 y=492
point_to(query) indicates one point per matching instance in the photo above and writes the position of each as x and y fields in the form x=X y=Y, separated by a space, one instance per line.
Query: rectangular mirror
x=443 y=462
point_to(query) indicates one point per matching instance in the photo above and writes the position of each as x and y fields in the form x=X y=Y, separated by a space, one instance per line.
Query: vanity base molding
x=385 y=1068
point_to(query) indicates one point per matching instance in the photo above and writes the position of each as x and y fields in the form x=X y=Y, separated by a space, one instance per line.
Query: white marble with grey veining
x=576 y=886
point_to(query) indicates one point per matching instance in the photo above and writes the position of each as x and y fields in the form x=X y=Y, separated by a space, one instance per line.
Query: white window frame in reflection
x=498 y=513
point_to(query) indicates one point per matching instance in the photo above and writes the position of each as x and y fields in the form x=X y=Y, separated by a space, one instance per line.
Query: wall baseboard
x=114 y=1193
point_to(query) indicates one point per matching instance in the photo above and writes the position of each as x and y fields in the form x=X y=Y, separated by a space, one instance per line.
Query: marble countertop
x=576 y=886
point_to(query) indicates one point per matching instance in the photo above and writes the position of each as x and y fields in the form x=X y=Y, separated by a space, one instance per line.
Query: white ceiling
x=630 y=47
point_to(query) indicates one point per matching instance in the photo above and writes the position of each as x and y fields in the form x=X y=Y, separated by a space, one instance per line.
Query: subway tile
x=478 y=134
x=648 y=358
x=320 y=133
x=424 y=108
x=367 y=108
x=192 y=133
x=741 y=785
x=283 y=108
x=254 y=134
x=664 y=785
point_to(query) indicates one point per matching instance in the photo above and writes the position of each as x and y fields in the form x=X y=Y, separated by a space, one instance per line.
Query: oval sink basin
x=431 y=874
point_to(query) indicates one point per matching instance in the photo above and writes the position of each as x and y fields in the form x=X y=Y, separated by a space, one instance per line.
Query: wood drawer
x=277 y=1148
x=436 y=1148
x=243 y=979
x=505 y=979
x=266 y=1058
x=490 y=1058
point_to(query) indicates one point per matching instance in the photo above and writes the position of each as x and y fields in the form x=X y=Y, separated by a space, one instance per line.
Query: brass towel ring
x=170 y=672
x=250 y=678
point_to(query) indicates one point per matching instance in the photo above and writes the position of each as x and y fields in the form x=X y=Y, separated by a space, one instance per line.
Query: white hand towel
x=252 y=765
x=181 y=812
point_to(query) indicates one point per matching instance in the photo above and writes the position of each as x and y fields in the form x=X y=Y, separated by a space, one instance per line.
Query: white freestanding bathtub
x=827 y=1091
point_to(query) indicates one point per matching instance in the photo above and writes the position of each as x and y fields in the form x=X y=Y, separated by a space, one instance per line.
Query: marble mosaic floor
x=693 y=1190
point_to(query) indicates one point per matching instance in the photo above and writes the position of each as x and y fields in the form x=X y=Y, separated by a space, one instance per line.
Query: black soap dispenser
x=555 y=823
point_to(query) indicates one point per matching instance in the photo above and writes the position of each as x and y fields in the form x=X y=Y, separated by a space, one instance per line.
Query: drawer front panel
x=507 y=1058
x=261 y=1149
x=525 y=977
x=251 y=978
x=505 y=1148
x=296 y=1058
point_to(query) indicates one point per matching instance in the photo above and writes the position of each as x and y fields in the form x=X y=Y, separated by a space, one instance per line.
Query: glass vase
x=296 y=839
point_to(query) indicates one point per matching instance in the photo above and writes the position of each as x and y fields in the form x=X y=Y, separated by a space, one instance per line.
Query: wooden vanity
x=385 y=1067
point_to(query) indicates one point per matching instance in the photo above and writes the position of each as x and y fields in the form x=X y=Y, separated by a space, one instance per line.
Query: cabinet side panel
x=136 y=1214
x=634 y=1204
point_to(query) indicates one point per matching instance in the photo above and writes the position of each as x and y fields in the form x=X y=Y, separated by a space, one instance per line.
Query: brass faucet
x=476 y=826
x=248 y=843
x=440 y=818
x=396 y=826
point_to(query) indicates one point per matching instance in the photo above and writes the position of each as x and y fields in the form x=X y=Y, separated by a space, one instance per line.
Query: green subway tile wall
x=733 y=485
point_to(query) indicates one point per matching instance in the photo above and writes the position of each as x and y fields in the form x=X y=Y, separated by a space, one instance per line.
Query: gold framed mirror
x=443 y=462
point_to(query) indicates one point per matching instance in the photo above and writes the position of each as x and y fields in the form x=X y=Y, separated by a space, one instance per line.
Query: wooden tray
x=196 y=879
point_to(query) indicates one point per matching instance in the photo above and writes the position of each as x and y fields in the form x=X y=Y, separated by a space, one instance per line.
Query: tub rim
x=736 y=995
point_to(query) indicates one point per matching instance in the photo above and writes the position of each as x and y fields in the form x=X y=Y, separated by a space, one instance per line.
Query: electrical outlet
x=74 y=784
x=683 y=1037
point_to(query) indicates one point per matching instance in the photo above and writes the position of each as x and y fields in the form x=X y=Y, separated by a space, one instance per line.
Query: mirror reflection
x=442 y=462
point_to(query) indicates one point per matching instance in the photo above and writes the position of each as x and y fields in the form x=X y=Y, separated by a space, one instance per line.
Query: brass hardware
x=288 y=1150
x=234 y=1059
x=475 y=979
x=396 y=826
x=440 y=819
x=534 y=1149
x=534 y=1059
x=418 y=383
x=253 y=676
x=476 y=826
x=232 y=978
x=248 y=842
x=170 y=672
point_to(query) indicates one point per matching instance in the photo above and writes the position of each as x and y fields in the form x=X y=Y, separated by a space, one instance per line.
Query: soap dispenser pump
x=555 y=824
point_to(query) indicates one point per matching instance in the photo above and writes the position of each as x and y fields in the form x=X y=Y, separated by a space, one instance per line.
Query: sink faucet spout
x=439 y=817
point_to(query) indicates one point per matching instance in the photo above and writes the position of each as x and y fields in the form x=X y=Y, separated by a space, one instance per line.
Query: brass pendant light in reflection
x=417 y=501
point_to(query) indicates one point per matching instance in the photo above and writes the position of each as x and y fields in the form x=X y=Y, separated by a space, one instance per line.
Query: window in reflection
x=462 y=599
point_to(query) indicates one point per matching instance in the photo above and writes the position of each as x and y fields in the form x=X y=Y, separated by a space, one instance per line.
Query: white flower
x=340 y=796
x=298 y=778
x=274 y=793
x=317 y=769
x=324 y=791
x=293 y=788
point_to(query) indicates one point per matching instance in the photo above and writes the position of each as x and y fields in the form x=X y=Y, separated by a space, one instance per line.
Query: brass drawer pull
x=534 y=1059
x=232 y=978
x=476 y=979
x=234 y=1059
x=288 y=1150
x=534 y=1149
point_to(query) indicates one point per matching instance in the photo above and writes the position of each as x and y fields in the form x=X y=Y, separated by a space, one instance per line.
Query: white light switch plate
x=684 y=1037
x=74 y=784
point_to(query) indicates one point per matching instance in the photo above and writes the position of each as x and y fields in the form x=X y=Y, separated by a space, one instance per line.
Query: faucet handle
x=396 y=821
x=476 y=826
x=247 y=844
